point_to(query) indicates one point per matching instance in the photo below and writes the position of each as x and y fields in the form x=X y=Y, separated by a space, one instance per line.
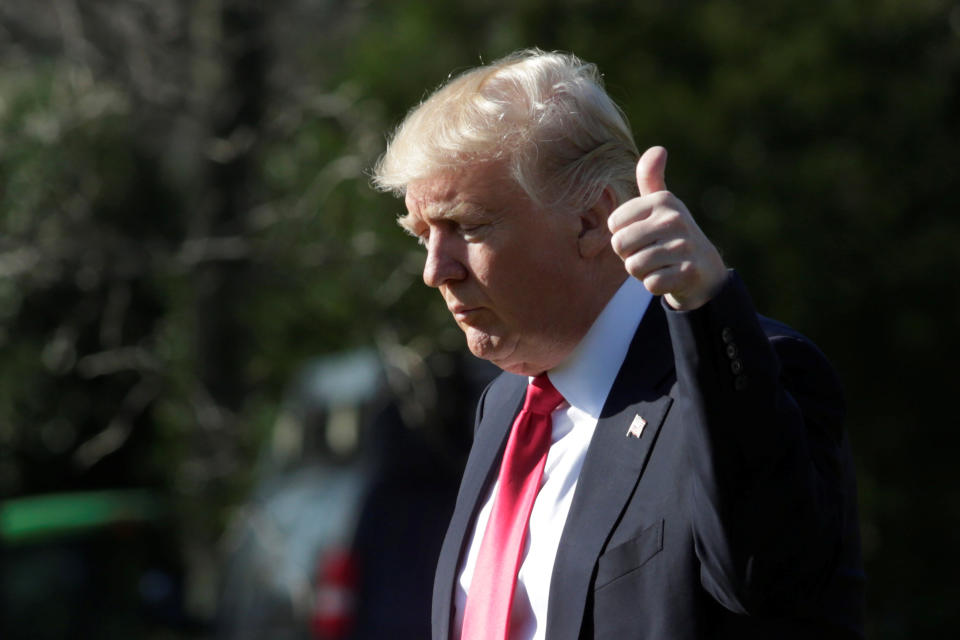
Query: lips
x=462 y=313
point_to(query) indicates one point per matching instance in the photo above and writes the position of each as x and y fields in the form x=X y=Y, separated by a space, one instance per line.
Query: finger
x=629 y=212
x=653 y=257
x=665 y=280
x=651 y=171
x=632 y=239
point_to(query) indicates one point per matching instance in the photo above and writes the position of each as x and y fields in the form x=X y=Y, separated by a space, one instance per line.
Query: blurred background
x=230 y=409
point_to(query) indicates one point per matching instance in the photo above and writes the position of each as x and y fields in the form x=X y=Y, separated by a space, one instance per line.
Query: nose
x=442 y=263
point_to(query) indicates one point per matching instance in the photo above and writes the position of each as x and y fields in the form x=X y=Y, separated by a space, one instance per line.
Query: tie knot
x=542 y=397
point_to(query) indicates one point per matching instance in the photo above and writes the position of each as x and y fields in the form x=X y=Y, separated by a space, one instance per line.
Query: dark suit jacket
x=732 y=516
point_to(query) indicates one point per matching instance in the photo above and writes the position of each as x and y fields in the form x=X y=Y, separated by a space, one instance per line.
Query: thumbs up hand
x=661 y=245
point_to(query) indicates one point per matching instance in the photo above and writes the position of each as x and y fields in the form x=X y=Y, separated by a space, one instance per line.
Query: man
x=657 y=460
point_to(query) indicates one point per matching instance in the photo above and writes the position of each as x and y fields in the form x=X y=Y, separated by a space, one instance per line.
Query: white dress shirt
x=584 y=380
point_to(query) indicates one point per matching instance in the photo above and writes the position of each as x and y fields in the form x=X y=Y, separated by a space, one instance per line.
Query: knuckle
x=672 y=218
x=634 y=265
x=616 y=241
x=677 y=245
x=654 y=284
x=614 y=220
x=663 y=225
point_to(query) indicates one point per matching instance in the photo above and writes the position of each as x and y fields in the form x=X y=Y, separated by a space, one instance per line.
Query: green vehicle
x=95 y=564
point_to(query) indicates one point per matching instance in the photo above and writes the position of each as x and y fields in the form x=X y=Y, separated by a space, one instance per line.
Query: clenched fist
x=661 y=245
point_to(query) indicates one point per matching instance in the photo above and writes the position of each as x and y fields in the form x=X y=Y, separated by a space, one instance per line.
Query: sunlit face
x=507 y=269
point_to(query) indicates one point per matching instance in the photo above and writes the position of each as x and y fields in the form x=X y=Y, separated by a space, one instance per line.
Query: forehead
x=483 y=185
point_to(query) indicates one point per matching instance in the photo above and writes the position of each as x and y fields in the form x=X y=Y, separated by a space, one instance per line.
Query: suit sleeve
x=771 y=501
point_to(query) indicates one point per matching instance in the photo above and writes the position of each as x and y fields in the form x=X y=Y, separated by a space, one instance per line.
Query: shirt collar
x=586 y=376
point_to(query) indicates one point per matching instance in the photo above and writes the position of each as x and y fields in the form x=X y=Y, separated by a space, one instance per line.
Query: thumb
x=651 y=169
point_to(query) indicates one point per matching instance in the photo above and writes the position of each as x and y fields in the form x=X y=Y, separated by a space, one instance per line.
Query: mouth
x=463 y=313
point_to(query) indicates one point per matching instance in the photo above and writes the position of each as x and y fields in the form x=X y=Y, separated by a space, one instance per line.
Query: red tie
x=487 y=614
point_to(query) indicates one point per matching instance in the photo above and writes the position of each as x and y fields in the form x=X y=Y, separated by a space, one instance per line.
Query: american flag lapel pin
x=636 y=427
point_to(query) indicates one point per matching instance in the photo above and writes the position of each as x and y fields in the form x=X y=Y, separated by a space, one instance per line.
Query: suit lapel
x=611 y=469
x=499 y=410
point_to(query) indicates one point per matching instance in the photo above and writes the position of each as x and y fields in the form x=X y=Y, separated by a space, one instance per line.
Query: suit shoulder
x=500 y=387
x=504 y=383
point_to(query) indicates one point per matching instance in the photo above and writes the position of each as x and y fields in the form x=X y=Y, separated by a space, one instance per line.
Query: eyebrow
x=458 y=209
x=409 y=222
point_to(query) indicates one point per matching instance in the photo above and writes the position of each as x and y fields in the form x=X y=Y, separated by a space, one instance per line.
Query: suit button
x=727 y=335
x=736 y=367
x=731 y=351
x=740 y=383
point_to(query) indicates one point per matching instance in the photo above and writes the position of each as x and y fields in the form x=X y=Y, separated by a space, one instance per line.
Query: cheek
x=483 y=262
x=523 y=278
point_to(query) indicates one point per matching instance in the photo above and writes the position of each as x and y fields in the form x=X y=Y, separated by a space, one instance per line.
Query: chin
x=521 y=368
x=505 y=354
x=496 y=349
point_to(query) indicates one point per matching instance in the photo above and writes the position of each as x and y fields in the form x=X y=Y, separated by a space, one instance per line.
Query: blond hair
x=545 y=114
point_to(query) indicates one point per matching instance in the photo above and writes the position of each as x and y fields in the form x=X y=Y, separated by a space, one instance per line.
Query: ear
x=594 y=236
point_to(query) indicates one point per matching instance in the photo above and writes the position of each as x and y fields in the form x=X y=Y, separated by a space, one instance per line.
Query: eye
x=468 y=231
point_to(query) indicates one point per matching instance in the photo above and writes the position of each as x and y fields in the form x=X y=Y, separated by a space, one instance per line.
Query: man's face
x=506 y=268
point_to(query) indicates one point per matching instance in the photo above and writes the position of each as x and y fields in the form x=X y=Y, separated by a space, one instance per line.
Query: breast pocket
x=629 y=556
